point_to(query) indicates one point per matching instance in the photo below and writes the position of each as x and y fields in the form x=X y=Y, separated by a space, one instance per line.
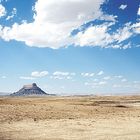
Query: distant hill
x=30 y=90
x=4 y=93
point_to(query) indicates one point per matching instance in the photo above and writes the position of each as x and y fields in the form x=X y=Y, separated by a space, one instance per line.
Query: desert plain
x=70 y=118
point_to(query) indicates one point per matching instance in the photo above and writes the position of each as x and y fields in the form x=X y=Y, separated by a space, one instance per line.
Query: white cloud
x=100 y=73
x=102 y=83
x=98 y=35
x=53 y=22
x=126 y=46
x=34 y=75
x=62 y=75
x=14 y=12
x=124 y=80
x=107 y=78
x=3 y=77
x=136 y=82
x=123 y=33
x=93 y=36
x=59 y=73
x=2 y=11
x=136 y=27
x=87 y=74
x=3 y=1
x=123 y=7
x=39 y=74
x=118 y=76
x=116 y=86
x=139 y=11
x=121 y=46
x=111 y=18
x=72 y=74
x=96 y=84
x=26 y=78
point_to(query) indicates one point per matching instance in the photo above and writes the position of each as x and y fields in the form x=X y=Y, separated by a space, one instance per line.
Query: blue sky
x=70 y=46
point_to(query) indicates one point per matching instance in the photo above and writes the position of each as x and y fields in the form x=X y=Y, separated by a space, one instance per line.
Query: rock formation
x=30 y=90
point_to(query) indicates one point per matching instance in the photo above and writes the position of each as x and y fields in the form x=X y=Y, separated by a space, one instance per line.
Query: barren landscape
x=70 y=118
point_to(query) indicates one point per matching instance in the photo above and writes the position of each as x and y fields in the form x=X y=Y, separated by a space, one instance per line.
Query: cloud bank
x=54 y=21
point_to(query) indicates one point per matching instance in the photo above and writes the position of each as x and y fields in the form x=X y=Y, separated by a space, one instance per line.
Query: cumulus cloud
x=107 y=78
x=100 y=73
x=2 y=11
x=14 y=12
x=96 y=84
x=34 y=75
x=62 y=75
x=3 y=77
x=136 y=27
x=118 y=76
x=93 y=36
x=110 y=18
x=59 y=73
x=87 y=74
x=102 y=83
x=123 y=7
x=136 y=82
x=53 y=22
x=98 y=35
x=123 y=33
x=39 y=74
x=3 y=1
x=124 y=80
x=116 y=86
x=139 y=11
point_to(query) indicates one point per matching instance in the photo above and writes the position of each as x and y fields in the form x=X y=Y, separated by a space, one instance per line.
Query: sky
x=70 y=47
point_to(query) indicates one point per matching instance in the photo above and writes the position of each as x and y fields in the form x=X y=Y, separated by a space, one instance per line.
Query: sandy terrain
x=70 y=118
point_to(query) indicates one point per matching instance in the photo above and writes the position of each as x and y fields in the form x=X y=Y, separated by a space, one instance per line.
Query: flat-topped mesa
x=32 y=89
x=30 y=86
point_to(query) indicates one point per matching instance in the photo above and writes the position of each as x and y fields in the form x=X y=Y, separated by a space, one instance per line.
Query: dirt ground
x=70 y=118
